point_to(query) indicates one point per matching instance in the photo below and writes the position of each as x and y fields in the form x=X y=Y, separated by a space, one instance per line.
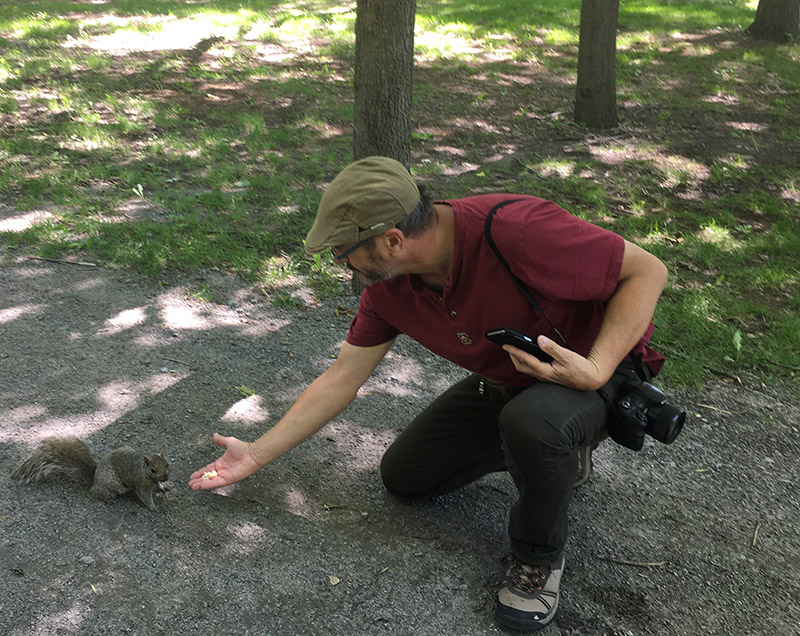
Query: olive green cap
x=366 y=199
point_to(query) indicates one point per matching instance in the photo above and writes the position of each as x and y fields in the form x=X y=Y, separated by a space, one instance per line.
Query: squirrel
x=119 y=471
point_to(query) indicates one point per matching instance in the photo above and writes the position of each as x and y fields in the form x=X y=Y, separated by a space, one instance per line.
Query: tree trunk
x=382 y=81
x=776 y=20
x=596 y=92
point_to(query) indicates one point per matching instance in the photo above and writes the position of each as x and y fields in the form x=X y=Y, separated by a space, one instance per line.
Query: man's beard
x=376 y=272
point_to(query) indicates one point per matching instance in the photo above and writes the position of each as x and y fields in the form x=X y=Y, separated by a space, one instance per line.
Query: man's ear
x=394 y=240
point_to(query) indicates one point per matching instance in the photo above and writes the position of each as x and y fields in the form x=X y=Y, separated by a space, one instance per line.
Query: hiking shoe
x=528 y=598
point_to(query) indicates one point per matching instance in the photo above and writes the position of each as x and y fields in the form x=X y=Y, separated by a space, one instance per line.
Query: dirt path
x=313 y=544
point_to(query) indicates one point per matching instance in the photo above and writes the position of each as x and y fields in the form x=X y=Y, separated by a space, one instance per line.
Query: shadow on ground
x=696 y=538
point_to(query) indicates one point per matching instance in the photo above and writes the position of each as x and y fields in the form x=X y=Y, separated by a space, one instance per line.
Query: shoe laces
x=526 y=578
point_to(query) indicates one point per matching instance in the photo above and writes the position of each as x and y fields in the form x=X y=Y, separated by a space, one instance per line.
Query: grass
x=139 y=151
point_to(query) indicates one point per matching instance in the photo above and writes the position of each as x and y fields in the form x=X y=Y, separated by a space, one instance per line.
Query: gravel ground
x=700 y=537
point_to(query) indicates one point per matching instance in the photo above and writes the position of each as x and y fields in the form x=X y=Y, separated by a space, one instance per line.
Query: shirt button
x=453 y=314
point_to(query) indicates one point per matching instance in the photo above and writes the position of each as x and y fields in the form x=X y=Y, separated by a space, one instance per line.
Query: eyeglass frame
x=372 y=232
x=375 y=230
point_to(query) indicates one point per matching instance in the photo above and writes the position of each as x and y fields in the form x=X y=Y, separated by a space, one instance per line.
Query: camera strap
x=522 y=286
x=637 y=359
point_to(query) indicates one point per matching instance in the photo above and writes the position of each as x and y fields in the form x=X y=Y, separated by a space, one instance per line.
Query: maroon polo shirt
x=571 y=266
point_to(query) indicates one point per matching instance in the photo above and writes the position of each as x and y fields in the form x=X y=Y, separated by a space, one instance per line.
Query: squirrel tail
x=56 y=454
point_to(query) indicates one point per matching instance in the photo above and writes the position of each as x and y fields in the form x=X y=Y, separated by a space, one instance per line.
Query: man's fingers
x=206 y=478
x=547 y=345
x=207 y=484
x=219 y=440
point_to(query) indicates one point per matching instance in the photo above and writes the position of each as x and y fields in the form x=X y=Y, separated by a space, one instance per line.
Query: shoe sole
x=522 y=621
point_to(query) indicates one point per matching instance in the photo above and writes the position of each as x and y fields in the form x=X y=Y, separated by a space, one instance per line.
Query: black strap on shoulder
x=522 y=286
x=637 y=359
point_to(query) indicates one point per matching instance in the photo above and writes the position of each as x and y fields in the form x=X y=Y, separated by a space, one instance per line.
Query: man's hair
x=422 y=217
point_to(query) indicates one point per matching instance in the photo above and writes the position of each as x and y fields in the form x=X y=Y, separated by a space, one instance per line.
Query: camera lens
x=666 y=422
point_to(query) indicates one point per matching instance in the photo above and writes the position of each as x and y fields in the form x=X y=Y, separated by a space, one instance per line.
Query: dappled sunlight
x=297 y=503
x=155 y=33
x=22 y=221
x=276 y=40
x=90 y=284
x=554 y=168
x=32 y=423
x=674 y=168
x=249 y=411
x=452 y=169
x=125 y=319
x=163 y=380
x=119 y=397
x=22 y=414
x=12 y=313
x=260 y=328
x=246 y=538
x=398 y=376
x=184 y=317
x=69 y=621
x=359 y=448
x=719 y=236
x=179 y=313
x=40 y=426
x=722 y=98
x=791 y=194
x=443 y=45
x=746 y=126
x=272 y=53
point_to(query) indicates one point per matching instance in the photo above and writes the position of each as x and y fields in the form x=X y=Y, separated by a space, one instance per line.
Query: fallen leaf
x=245 y=391
x=334 y=580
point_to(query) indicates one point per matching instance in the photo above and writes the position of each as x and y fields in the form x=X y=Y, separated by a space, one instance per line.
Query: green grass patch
x=180 y=136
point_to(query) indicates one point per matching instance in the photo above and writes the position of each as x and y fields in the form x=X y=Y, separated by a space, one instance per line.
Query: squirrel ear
x=161 y=454
x=146 y=460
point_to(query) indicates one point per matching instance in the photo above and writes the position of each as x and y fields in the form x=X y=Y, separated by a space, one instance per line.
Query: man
x=432 y=275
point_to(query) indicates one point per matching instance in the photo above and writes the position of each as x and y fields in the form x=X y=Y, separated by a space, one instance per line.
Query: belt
x=505 y=390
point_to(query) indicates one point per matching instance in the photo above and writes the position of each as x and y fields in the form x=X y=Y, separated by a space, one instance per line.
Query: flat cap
x=365 y=199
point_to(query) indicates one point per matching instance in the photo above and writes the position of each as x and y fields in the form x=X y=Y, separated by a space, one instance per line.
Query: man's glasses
x=340 y=256
x=375 y=230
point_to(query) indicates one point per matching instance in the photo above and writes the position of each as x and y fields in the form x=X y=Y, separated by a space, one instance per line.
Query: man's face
x=367 y=263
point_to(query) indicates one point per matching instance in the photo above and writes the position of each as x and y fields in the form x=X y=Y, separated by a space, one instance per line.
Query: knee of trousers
x=522 y=427
x=399 y=480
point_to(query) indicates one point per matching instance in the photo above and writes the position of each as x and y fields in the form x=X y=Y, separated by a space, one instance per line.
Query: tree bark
x=596 y=91
x=776 y=20
x=382 y=80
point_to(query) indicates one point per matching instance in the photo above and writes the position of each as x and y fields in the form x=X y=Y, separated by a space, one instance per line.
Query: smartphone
x=507 y=335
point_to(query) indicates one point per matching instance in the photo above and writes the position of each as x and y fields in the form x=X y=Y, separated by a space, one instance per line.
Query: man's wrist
x=257 y=454
x=602 y=372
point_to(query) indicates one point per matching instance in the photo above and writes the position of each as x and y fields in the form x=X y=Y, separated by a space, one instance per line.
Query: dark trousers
x=534 y=433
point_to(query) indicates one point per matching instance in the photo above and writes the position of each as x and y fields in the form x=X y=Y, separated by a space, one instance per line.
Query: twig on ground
x=178 y=361
x=755 y=535
x=781 y=364
x=55 y=260
x=714 y=408
x=639 y=564
x=723 y=373
x=329 y=507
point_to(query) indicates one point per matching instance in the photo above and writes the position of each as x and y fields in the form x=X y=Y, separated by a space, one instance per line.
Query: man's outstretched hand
x=235 y=464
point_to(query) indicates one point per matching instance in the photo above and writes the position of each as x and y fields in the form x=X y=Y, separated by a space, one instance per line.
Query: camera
x=643 y=410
